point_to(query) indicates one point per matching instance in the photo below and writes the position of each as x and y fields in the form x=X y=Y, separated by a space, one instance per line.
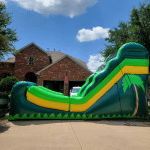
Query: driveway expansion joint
x=76 y=137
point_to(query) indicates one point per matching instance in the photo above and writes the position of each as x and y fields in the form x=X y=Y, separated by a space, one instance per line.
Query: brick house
x=52 y=69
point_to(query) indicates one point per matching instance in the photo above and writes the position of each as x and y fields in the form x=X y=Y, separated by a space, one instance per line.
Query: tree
x=136 y=30
x=7 y=83
x=117 y=38
x=7 y=35
x=135 y=80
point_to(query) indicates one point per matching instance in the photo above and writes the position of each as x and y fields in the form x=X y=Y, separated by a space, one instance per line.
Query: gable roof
x=30 y=45
x=77 y=61
x=55 y=56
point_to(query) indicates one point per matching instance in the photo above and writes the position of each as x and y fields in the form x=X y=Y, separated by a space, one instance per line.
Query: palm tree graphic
x=128 y=80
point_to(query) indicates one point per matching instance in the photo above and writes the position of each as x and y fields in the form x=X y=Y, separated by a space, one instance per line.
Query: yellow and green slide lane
x=43 y=98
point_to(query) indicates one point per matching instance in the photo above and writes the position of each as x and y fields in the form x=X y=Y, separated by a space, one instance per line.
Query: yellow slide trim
x=48 y=104
x=125 y=70
x=135 y=70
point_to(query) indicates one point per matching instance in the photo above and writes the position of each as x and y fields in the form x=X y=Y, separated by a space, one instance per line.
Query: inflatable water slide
x=118 y=89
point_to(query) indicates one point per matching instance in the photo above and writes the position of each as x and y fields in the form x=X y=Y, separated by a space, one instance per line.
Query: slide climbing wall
x=116 y=90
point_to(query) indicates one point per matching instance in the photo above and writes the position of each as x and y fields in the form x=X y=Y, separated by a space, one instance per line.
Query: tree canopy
x=137 y=29
x=7 y=35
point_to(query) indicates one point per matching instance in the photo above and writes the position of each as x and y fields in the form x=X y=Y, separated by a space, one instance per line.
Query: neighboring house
x=52 y=69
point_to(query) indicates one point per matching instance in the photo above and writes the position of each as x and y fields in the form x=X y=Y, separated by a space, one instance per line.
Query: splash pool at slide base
x=119 y=90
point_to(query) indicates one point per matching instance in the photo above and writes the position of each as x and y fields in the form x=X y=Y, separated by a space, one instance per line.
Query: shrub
x=7 y=83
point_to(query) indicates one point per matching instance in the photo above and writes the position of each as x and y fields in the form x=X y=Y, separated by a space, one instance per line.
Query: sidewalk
x=75 y=135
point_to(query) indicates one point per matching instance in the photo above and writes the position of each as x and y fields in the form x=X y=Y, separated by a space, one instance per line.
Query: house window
x=50 y=60
x=31 y=61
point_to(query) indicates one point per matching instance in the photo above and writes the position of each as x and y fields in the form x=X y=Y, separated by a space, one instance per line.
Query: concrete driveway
x=75 y=135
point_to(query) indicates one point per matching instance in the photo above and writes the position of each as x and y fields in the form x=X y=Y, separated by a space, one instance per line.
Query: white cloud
x=94 y=62
x=4 y=1
x=91 y=35
x=69 y=8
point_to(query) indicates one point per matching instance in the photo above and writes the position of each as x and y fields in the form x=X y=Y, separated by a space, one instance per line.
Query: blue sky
x=75 y=27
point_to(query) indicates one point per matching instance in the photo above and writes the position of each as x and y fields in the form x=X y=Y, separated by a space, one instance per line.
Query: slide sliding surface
x=115 y=90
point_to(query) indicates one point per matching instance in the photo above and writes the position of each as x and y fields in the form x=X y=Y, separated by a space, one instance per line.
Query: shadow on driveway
x=116 y=122
x=5 y=124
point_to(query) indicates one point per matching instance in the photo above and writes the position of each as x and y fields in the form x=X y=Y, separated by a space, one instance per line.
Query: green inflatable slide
x=118 y=89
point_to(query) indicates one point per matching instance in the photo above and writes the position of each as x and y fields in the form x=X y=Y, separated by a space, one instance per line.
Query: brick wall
x=22 y=67
x=55 y=72
x=6 y=68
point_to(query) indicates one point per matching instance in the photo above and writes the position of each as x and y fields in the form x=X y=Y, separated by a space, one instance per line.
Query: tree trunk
x=137 y=101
